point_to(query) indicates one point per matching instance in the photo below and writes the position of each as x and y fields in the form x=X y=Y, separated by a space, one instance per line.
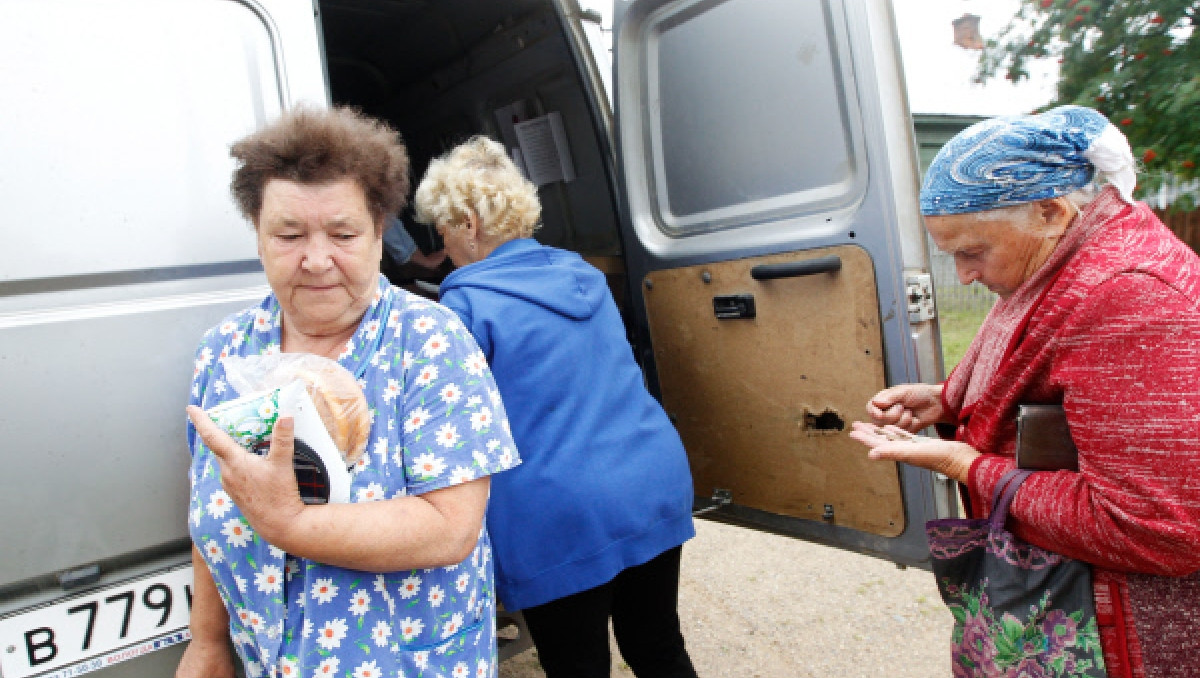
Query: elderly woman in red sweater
x=1099 y=312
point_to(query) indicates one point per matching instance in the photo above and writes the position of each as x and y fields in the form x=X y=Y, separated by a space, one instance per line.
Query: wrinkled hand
x=911 y=407
x=264 y=488
x=893 y=443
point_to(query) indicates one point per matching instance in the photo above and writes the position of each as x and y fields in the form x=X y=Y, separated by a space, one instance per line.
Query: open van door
x=777 y=264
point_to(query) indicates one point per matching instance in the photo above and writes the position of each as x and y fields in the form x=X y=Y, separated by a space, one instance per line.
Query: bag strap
x=1002 y=496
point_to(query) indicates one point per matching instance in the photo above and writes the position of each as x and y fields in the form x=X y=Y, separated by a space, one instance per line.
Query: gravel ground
x=755 y=605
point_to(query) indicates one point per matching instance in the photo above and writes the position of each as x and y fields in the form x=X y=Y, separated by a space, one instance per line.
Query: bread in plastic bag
x=332 y=420
x=338 y=399
x=322 y=476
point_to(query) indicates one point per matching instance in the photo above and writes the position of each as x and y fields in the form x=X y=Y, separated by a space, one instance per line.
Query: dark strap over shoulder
x=1002 y=496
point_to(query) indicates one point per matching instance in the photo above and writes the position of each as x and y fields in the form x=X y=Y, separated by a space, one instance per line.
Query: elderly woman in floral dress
x=399 y=580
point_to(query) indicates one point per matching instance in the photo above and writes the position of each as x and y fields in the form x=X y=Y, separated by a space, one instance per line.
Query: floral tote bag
x=1019 y=610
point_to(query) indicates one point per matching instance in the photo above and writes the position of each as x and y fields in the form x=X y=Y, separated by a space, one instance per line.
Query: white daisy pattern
x=410 y=628
x=372 y=492
x=367 y=670
x=451 y=393
x=327 y=667
x=461 y=474
x=269 y=579
x=237 y=532
x=426 y=375
x=381 y=633
x=331 y=635
x=435 y=346
x=360 y=602
x=416 y=419
x=213 y=550
x=436 y=596
x=428 y=465
x=435 y=421
x=324 y=590
x=481 y=420
x=475 y=364
x=410 y=587
x=391 y=390
x=447 y=435
x=424 y=324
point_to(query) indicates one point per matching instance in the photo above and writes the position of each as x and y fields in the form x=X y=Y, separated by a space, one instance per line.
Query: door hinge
x=720 y=498
x=920 y=297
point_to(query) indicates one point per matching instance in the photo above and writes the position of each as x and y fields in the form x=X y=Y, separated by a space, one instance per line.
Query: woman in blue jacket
x=591 y=525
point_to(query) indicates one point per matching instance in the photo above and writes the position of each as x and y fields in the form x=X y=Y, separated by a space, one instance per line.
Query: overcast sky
x=938 y=72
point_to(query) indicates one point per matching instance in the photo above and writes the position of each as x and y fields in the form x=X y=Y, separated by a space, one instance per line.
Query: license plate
x=100 y=628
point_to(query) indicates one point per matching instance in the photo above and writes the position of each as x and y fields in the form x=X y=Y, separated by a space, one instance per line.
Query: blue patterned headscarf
x=1019 y=159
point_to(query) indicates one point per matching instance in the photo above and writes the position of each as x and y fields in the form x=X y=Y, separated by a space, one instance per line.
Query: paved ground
x=756 y=605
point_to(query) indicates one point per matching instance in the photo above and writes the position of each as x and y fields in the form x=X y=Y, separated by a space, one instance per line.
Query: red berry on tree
x=1149 y=155
x=1139 y=56
x=1126 y=121
x=1188 y=164
x=1047 y=3
x=1156 y=20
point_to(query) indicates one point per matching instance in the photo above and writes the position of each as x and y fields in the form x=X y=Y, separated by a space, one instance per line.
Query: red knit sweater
x=1116 y=341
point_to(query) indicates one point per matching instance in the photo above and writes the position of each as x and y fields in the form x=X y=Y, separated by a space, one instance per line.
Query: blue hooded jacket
x=604 y=484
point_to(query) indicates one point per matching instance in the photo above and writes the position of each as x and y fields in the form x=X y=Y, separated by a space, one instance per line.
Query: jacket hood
x=557 y=280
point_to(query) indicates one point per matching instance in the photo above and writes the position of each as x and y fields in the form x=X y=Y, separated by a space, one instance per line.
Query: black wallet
x=1044 y=440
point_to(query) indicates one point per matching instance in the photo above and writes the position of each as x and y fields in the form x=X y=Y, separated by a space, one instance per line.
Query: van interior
x=441 y=71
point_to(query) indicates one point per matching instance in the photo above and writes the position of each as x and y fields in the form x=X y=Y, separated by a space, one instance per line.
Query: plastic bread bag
x=335 y=393
x=331 y=419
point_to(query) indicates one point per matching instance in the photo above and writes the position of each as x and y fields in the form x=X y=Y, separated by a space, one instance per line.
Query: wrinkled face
x=321 y=250
x=1000 y=252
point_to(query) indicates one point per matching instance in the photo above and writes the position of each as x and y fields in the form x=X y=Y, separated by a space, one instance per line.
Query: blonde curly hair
x=478 y=177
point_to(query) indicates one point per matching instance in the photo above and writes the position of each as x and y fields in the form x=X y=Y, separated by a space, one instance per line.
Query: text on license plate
x=96 y=624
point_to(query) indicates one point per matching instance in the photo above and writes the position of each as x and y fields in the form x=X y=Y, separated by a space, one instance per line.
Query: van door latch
x=734 y=306
x=920 y=297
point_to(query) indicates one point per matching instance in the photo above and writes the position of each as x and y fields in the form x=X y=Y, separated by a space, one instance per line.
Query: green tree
x=1136 y=61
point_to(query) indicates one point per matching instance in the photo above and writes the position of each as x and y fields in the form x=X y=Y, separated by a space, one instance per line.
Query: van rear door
x=769 y=208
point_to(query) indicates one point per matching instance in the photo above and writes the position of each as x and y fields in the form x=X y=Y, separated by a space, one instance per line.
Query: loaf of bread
x=341 y=404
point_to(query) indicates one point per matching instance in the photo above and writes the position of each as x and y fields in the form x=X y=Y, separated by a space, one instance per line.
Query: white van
x=752 y=196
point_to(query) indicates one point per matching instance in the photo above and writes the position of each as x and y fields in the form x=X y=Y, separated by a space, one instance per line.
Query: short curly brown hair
x=320 y=146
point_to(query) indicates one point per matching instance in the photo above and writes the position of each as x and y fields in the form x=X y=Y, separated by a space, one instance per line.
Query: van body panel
x=753 y=129
x=107 y=284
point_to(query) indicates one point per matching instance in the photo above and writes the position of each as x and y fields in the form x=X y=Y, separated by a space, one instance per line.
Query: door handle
x=795 y=269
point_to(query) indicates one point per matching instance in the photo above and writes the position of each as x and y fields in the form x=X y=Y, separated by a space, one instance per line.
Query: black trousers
x=571 y=633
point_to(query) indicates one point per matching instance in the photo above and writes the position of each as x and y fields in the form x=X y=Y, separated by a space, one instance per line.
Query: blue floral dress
x=437 y=421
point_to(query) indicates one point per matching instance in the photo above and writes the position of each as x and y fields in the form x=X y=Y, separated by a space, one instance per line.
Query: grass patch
x=958 y=328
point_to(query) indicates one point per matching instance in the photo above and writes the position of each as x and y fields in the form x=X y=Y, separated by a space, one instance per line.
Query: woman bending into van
x=399 y=580
x=1099 y=312
x=591 y=526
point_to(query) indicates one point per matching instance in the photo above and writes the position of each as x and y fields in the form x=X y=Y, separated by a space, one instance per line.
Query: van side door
x=769 y=215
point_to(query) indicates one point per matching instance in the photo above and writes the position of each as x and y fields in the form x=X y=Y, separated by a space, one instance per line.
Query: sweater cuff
x=982 y=477
x=947 y=430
